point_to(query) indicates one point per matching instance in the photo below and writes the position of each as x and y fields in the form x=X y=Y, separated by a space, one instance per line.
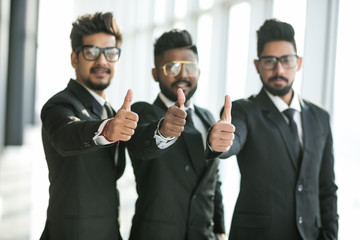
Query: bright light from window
x=293 y=12
x=159 y=11
x=346 y=128
x=205 y=4
x=180 y=25
x=180 y=8
x=238 y=42
x=204 y=48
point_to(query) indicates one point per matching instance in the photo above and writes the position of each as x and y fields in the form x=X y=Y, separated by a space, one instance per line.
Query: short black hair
x=274 y=30
x=94 y=23
x=173 y=39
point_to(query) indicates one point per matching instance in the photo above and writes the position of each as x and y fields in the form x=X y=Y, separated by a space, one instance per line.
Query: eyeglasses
x=287 y=61
x=172 y=69
x=91 y=52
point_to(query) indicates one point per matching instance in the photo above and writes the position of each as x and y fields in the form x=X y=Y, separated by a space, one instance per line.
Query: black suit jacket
x=278 y=199
x=175 y=201
x=83 y=200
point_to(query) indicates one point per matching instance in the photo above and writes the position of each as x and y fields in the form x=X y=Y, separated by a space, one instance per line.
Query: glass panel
x=237 y=56
x=204 y=49
x=293 y=12
x=144 y=12
x=180 y=8
x=180 y=25
x=159 y=11
x=346 y=128
x=206 y=4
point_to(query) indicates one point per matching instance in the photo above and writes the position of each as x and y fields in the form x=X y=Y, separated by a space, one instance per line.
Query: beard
x=97 y=86
x=173 y=95
x=277 y=91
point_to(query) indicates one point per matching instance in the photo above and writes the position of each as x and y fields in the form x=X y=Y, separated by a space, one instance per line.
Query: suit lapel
x=93 y=106
x=88 y=101
x=195 y=146
x=160 y=104
x=207 y=120
x=309 y=130
x=272 y=113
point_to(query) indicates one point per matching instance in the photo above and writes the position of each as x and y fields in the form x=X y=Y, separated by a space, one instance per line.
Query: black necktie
x=294 y=133
x=196 y=142
x=107 y=113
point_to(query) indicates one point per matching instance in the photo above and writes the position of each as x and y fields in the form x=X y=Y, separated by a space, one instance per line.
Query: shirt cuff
x=99 y=139
x=161 y=141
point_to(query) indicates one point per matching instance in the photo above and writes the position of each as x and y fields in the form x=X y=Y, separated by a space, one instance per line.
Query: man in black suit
x=179 y=196
x=286 y=160
x=84 y=137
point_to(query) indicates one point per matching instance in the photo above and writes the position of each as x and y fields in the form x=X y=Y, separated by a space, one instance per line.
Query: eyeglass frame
x=102 y=50
x=278 y=59
x=182 y=65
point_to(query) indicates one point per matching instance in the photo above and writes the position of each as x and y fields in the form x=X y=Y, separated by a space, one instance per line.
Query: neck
x=100 y=93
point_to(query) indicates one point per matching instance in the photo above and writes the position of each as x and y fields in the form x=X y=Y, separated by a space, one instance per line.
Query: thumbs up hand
x=222 y=133
x=122 y=127
x=174 y=120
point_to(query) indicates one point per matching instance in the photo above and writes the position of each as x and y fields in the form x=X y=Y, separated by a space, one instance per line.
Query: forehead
x=278 y=49
x=100 y=39
x=178 y=55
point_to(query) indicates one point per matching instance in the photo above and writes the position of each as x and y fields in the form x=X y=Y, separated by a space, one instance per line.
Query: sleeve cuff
x=161 y=141
x=99 y=139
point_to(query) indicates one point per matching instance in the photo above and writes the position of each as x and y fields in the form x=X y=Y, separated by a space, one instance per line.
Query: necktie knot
x=189 y=120
x=108 y=109
x=289 y=113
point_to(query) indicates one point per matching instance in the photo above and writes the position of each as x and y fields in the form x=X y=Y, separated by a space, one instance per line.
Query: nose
x=101 y=59
x=182 y=73
x=279 y=68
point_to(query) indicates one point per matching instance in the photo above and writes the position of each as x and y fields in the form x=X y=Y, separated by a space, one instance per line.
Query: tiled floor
x=24 y=192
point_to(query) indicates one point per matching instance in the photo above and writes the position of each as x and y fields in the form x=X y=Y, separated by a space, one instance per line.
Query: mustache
x=181 y=81
x=94 y=69
x=277 y=77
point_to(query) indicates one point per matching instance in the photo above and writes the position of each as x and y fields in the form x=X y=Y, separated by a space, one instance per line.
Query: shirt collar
x=281 y=105
x=168 y=103
x=99 y=99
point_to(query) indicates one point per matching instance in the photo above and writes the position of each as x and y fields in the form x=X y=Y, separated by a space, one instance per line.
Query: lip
x=278 y=81
x=100 y=72
x=183 y=85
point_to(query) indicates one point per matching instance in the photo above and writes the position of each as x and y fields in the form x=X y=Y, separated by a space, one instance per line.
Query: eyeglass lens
x=288 y=61
x=112 y=54
x=172 y=69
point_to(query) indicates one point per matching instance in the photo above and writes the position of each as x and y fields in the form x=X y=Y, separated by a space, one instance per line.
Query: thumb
x=127 y=100
x=226 y=116
x=180 y=98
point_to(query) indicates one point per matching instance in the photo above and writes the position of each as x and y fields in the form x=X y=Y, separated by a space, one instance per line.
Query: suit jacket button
x=300 y=187
x=187 y=168
x=300 y=220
